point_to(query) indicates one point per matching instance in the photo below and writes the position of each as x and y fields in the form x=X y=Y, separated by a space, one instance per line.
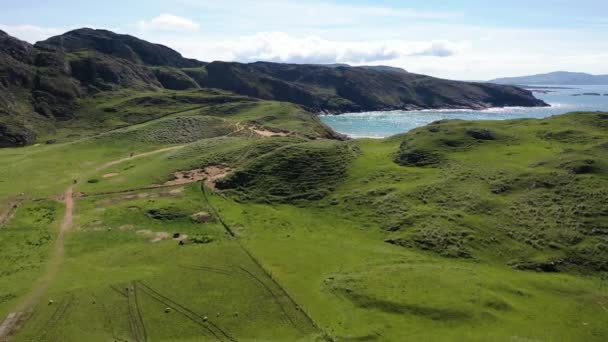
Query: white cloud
x=281 y=47
x=168 y=22
x=438 y=49
x=31 y=33
x=285 y=48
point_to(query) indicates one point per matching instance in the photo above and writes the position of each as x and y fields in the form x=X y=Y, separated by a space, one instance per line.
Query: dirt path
x=9 y=213
x=25 y=306
x=30 y=300
x=258 y=131
x=141 y=155
x=238 y=128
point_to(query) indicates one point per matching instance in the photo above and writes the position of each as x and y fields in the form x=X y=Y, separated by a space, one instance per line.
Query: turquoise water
x=384 y=124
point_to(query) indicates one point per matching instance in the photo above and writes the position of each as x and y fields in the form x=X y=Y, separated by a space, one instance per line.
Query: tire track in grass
x=119 y=291
x=230 y=231
x=194 y=317
x=207 y=269
x=198 y=319
x=118 y=192
x=57 y=255
x=51 y=324
x=136 y=322
x=108 y=318
x=250 y=276
x=272 y=294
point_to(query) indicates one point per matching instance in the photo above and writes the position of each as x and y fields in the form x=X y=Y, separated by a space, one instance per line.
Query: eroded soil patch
x=266 y=133
x=154 y=237
x=209 y=175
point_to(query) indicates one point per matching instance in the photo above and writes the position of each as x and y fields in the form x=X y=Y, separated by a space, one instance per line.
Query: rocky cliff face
x=342 y=89
x=120 y=46
x=42 y=84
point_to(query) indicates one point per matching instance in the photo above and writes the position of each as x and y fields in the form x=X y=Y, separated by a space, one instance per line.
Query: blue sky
x=453 y=39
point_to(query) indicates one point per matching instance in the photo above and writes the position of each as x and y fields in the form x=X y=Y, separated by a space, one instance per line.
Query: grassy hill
x=230 y=218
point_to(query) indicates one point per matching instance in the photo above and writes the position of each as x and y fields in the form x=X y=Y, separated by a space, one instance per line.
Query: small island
x=589 y=94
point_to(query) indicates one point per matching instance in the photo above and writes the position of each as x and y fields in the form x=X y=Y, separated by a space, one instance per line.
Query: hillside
x=238 y=221
x=555 y=78
x=352 y=89
x=47 y=88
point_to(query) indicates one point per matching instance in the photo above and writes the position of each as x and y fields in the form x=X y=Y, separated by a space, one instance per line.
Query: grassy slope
x=119 y=109
x=107 y=255
x=443 y=278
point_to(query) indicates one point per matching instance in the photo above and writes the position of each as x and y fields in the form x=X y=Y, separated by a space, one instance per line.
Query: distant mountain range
x=555 y=78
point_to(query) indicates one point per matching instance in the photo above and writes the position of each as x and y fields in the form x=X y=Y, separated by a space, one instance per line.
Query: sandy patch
x=176 y=191
x=110 y=175
x=268 y=133
x=202 y=217
x=8 y=214
x=160 y=237
x=180 y=237
x=187 y=177
x=215 y=173
x=208 y=175
x=154 y=236
x=8 y=324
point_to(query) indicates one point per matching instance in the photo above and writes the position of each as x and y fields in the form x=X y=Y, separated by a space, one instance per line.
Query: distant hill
x=44 y=83
x=555 y=78
x=369 y=67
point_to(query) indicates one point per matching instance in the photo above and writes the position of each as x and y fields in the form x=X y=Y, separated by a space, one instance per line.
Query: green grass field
x=476 y=231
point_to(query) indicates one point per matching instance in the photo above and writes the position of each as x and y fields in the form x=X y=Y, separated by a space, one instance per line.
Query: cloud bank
x=285 y=48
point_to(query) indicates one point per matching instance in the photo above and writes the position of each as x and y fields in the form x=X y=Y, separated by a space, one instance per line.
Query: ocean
x=563 y=99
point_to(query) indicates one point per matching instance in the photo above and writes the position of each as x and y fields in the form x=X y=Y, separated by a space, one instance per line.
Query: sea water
x=383 y=124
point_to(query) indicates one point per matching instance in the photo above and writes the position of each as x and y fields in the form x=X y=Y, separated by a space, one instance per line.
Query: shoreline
x=370 y=135
x=414 y=109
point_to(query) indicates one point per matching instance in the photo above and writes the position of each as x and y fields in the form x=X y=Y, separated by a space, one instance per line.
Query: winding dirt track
x=8 y=214
x=29 y=301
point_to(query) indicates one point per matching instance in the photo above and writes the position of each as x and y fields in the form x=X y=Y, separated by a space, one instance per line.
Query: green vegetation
x=293 y=172
x=125 y=276
x=158 y=208
x=313 y=239
x=26 y=240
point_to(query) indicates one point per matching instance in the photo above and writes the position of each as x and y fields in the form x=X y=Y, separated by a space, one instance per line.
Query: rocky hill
x=556 y=78
x=344 y=89
x=46 y=83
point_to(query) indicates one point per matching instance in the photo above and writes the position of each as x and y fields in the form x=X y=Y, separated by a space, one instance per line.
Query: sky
x=457 y=39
